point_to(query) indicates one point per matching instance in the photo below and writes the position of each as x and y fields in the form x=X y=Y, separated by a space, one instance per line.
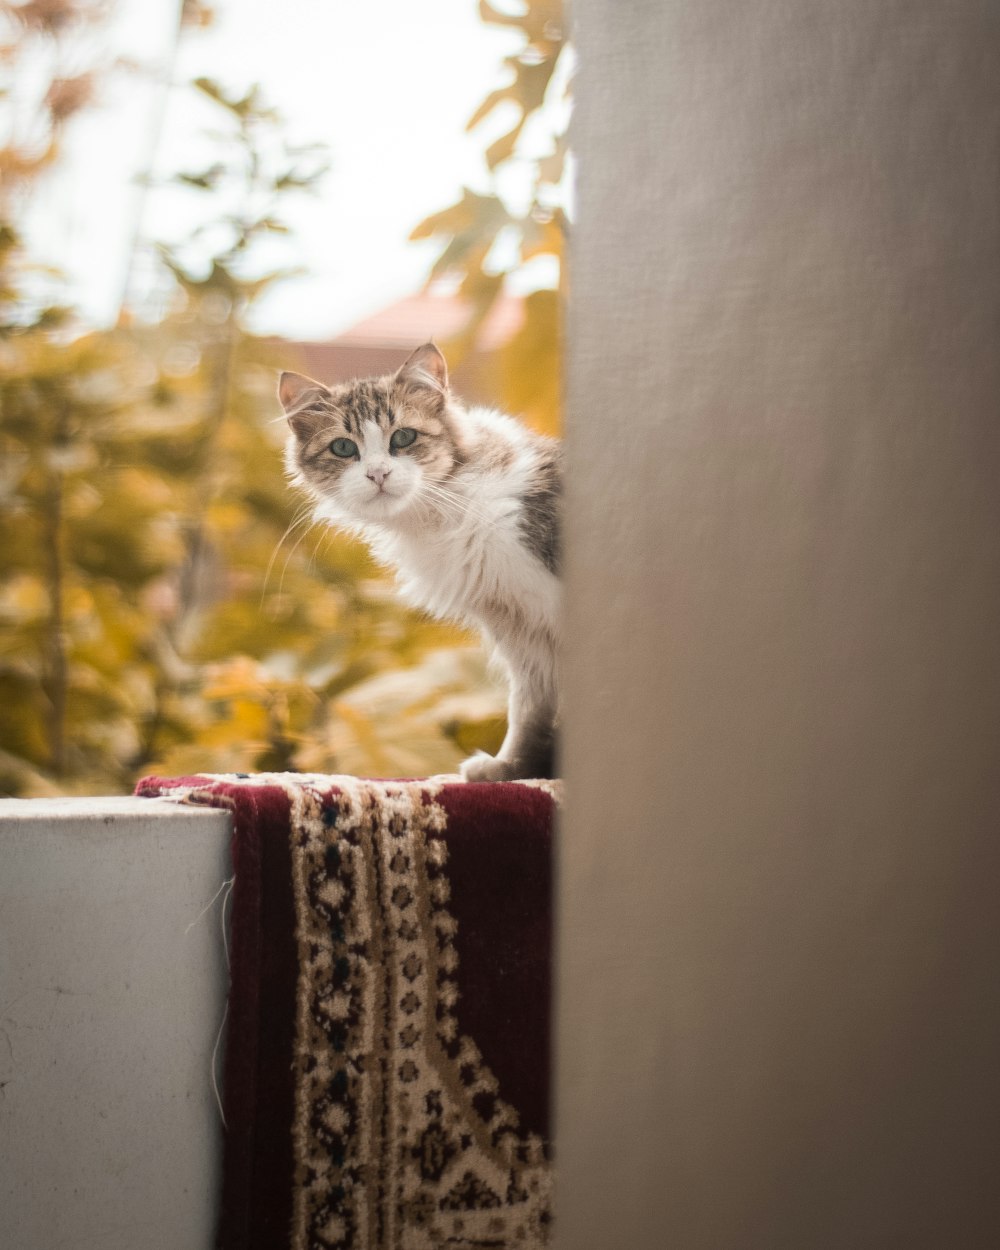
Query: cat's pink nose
x=378 y=476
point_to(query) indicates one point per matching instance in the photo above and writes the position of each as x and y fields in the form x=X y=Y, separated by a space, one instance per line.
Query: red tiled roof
x=379 y=344
x=431 y=315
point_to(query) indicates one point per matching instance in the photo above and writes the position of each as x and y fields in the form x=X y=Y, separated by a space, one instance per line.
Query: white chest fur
x=471 y=560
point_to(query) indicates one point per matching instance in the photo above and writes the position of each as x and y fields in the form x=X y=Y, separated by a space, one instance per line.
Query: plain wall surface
x=112 y=993
x=779 y=1020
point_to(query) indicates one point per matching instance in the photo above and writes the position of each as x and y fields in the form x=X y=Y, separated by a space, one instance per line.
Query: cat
x=465 y=505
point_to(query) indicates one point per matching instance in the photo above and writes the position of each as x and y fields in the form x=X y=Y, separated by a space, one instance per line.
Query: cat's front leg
x=528 y=749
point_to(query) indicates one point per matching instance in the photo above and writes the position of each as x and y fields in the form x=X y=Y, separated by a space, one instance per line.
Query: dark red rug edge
x=258 y=1093
x=258 y=1087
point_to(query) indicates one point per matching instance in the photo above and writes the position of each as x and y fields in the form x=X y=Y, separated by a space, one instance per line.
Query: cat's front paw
x=484 y=767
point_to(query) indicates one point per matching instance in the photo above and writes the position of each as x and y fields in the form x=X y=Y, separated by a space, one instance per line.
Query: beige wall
x=780 y=934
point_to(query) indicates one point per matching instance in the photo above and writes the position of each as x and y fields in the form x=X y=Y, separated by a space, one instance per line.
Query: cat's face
x=373 y=449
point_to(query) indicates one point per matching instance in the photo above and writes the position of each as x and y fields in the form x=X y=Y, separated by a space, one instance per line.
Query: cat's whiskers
x=326 y=536
x=302 y=515
x=426 y=504
x=460 y=510
x=431 y=512
x=313 y=522
x=437 y=503
x=323 y=531
x=453 y=505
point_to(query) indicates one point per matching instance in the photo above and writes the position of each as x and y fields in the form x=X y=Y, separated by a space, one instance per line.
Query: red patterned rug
x=387 y=1057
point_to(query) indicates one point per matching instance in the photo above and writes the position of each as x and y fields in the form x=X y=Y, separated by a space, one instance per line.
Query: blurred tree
x=267 y=642
x=521 y=220
x=157 y=612
x=35 y=39
x=43 y=400
x=143 y=504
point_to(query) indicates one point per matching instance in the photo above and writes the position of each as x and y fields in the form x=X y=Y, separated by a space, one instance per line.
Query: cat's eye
x=344 y=447
x=402 y=438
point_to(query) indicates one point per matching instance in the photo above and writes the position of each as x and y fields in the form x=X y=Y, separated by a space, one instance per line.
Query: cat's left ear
x=425 y=369
x=300 y=397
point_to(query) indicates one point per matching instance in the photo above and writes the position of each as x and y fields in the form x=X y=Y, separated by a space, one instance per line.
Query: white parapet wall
x=112 y=994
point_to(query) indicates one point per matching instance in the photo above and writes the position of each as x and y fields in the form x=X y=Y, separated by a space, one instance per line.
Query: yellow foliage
x=525 y=372
x=156 y=615
x=24 y=598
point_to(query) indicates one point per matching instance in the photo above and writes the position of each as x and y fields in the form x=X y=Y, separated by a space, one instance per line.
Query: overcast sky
x=388 y=85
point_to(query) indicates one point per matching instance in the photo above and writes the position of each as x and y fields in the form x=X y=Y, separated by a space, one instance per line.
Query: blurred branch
x=187 y=17
x=56 y=682
x=472 y=229
x=142 y=498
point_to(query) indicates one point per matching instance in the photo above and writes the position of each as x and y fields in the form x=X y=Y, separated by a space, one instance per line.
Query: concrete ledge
x=112 y=993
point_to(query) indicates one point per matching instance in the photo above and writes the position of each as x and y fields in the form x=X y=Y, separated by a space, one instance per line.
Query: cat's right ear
x=425 y=370
x=303 y=400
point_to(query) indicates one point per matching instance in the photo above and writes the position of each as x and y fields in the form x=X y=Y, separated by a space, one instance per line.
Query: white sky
x=388 y=85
